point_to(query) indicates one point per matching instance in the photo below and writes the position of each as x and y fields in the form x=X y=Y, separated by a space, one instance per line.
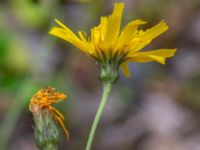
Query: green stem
x=106 y=92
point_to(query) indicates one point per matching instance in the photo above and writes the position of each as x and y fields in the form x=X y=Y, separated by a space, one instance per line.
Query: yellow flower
x=44 y=99
x=111 y=46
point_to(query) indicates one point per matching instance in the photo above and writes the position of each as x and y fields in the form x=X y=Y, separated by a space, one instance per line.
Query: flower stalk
x=106 y=91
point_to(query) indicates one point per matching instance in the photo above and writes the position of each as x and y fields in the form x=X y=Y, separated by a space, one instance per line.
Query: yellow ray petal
x=128 y=33
x=83 y=36
x=95 y=36
x=71 y=38
x=87 y=43
x=155 y=31
x=154 y=55
x=158 y=59
x=66 y=28
x=161 y=52
x=98 y=34
x=61 y=24
x=147 y=58
x=103 y=27
x=125 y=69
x=147 y=36
x=65 y=35
x=113 y=25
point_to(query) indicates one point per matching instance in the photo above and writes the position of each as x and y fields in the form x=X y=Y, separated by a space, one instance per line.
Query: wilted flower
x=113 y=47
x=46 y=116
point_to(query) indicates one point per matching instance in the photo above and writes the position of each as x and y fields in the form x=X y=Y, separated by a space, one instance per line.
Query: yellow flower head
x=111 y=46
x=44 y=99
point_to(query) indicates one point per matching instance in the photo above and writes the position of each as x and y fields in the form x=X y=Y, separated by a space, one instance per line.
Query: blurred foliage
x=13 y=60
x=32 y=13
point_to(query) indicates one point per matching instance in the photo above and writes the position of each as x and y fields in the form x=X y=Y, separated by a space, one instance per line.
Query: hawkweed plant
x=46 y=118
x=113 y=48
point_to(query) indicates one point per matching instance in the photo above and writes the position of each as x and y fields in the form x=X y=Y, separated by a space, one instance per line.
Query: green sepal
x=109 y=71
x=47 y=132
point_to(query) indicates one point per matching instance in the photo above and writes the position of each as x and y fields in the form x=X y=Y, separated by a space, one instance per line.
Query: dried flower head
x=113 y=47
x=43 y=100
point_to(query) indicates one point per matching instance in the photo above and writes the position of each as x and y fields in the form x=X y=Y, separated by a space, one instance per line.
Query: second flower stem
x=106 y=92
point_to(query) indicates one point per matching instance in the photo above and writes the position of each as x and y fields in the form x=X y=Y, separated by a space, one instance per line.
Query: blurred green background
x=157 y=108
